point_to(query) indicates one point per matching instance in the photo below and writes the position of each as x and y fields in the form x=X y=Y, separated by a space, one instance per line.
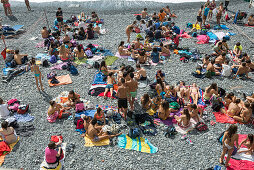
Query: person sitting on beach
x=94 y=17
x=220 y=60
x=194 y=93
x=20 y=58
x=230 y=97
x=245 y=113
x=82 y=123
x=184 y=90
x=244 y=58
x=100 y=116
x=143 y=26
x=210 y=92
x=164 y=110
x=55 y=111
x=37 y=74
x=162 y=15
x=133 y=87
x=251 y=20
x=144 y=14
x=8 y=133
x=137 y=44
x=156 y=103
x=122 y=50
x=44 y=33
x=155 y=55
x=141 y=73
x=103 y=68
x=160 y=85
x=53 y=152
x=4 y=110
x=95 y=132
x=73 y=98
x=64 y=53
x=230 y=137
x=242 y=70
x=89 y=33
x=97 y=29
x=110 y=84
x=141 y=56
x=224 y=45
x=79 y=52
x=238 y=50
x=170 y=94
x=146 y=101
x=206 y=61
x=164 y=51
x=248 y=142
x=250 y=98
x=212 y=69
x=183 y=120
x=226 y=69
x=218 y=49
x=234 y=108
x=66 y=39
x=195 y=112
x=167 y=11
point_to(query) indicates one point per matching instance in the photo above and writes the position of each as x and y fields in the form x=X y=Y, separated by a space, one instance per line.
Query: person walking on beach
x=199 y=17
x=28 y=5
x=37 y=74
x=129 y=30
x=59 y=17
x=226 y=4
x=219 y=14
x=7 y=7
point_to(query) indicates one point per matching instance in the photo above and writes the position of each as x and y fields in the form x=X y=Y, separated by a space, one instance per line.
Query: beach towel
x=197 y=26
x=110 y=60
x=224 y=27
x=200 y=100
x=63 y=80
x=212 y=37
x=23 y=117
x=183 y=130
x=137 y=144
x=90 y=143
x=203 y=39
x=243 y=156
x=17 y=27
x=185 y=35
x=241 y=164
x=99 y=79
x=220 y=35
x=2 y=157
x=59 y=66
x=120 y=56
x=87 y=113
x=42 y=56
x=223 y=118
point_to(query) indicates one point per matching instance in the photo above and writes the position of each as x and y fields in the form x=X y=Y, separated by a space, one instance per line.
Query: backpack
x=200 y=126
x=170 y=131
x=80 y=107
x=96 y=65
x=138 y=17
x=89 y=53
x=73 y=70
x=51 y=75
x=23 y=109
x=45 y=63
x=134 y=133
x=189 y=25
x=53 y=59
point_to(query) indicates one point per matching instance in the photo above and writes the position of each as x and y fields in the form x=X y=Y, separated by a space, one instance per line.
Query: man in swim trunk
x=245 y=113
x=123 y=93
x=242 y=70
x=133 y=86
x=199 y=16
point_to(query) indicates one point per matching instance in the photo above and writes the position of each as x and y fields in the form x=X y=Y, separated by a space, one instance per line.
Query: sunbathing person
x=97 y=29
x=141 y=56
x=206 y=61
x=195 y=112
x=56 y=111
x=229 y=139
x=89 y=33
x=20 y=58
x=52 y=155
x=15 y=72
x=73 y=98
x=146 y=102
x=64 y=53
x=248 y=142
x=194 y=93
x=251 y=20
x=160 y=85
x=133 y=87
x=110 y=84
x=82 y=123
x=37 y=74
x=184 y=91
x=79 y=52
x=164 y=110
x=210 y=92
x=8 y=133
x=137 y=44
x=164 y=51
x=94 y=17
x=242 y=71
x=234 y=108
x=226 y=69
x=155 y=55
x=162 y=15
x=218 y=49
x=141 y=73
x=221 y=59
x=212 y=70
x=245 y=113
x=123 y=93
x=96 y=134
x=122 y=50
x=238 y=50
x=229 y=98
x=250 y=98
x=183 y=120
x=100 y=116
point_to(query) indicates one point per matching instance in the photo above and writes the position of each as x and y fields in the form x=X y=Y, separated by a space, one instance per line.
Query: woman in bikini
x=80 y=54
x=194 y=93
x=8 y=133
x=37 y=74
x=184 y=91
x=7 y=7
x=160 y=86
x=122 y=50
x=210 y=91
x=63 y=53
x=100 y=116
x=104 y=68
x=55 y=111
x=248 y=142
x=164 y=111
x=171 y=94
x=230 y=137
x=146 y=102
x=183 y=120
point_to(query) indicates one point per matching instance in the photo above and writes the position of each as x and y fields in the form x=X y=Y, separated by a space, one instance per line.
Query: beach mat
x=120 y=56
x=223 y=118
x=110 y=60
x=63 y=80
x=246 y=25
x=90 y=143
x=2 y=157
x=240 y=164
x=137 y=144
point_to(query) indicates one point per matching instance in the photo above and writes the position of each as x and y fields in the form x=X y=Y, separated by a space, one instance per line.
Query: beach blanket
x=220 y=35
x=240 y=164
x=185 y=35
x=87 y=113
x=223 y=118
x=2 y=157
x=6 y=70
x=59 y=66
x=99 y=78
x=224 y=27
x=90 y=143
x=212 y=37
x=23 y=117
x=106 y=107
x=63 y=80
x=203 y=39
x=42 y=56
x=137 y=144
x=110 y=60
x=120 y=56
x=185 y=130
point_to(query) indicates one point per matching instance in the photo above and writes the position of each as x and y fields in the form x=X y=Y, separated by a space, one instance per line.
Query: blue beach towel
x=42 y=56
x=98 y=79
x=224 y=27
x=23 y=117
x=17 y=27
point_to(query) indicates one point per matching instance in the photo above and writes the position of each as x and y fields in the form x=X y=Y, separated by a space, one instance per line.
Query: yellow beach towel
x=3 y=156
x=90 y=143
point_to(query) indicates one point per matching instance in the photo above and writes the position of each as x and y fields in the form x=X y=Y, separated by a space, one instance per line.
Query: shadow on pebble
x=16 y=147
x=13 y=18
x=46 y=96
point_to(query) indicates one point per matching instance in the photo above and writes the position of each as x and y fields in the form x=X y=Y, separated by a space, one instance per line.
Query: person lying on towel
x=249 y=143
x=245 y=113
x=183 y=120
x=95 y=132
x=8 y=133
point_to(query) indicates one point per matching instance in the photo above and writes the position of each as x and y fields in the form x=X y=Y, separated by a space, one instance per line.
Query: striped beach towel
x=137 y=144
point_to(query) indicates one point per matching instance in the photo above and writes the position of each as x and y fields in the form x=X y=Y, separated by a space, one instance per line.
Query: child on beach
x=194 y=93
x=110 y=84
x=230 y=137
x=37 y=74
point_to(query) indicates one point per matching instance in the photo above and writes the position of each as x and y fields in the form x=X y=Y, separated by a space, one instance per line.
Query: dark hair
x=145 y=9
x=59 y=8
x=33 y=61
x=132 y=75
x=161 y=10
x=245 y=54
x=16 y=51
x=71 y=92
x=227 y=61
x=79 y=47
x=155 y=50
x=202 y=6
x=122 y=80
x=165 y=105
x=238 y=44
x=250 y=136
x=52 y=102
x=244 y=64
x=52 y=145
x=161 y=44
x=4 y=124
x=247 y=104
x=193 y=106
x=248 y=61
x=125 y=74
x=99 y=110
x=231 y=131
x=121 y=44
x=44 y=27
x=146 y=98
x=219 y=43
x=137 y=65
x=111 y=74
x=1 y=100
x=213 y=86
x=237 y=101
x=186 y=112
x=159 y=81
x=224 y=54
x=94 y=121
x=103 y=64
x=213 y=61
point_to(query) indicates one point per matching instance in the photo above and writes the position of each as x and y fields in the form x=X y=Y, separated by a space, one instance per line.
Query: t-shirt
x=50 y=155
x=4 y=112
x=59 y=13
x=226 y=71
x=206 y=11
x=155 y=57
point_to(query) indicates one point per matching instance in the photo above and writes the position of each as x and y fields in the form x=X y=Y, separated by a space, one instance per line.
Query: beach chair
x=239 y=17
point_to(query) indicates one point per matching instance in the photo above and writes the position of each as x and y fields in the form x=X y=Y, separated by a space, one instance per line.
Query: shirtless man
x=199 y=16
x=144 y=14
x=141 y=73
x=250 y=65
x=20 y=58
x=73 y=98
x=123 y=93
x=211 y=68
x=133 y=87
x=110 y=84
x=97 y=29
x=219 y=14
x=233 y=108
x=137 y=44
x=221 y=59
x=245 y=113
x=44 y=32
x=242 y=71
x=95 y=132
x=195 y=112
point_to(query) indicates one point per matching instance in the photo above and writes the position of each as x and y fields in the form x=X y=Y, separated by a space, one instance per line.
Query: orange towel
x=63 y=80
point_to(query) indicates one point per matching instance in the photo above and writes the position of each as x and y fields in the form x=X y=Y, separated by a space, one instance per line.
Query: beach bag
x=189 y=25
x=134 y=133
x=216 y=105
x=200 y=126
x=13 y=104
x=137 y=30
x=51 y=75
x=221 y=91
x=23 y=109
x=80 y=107
x=53 y=59
x=170 y=131
x=45 y=63
x=89 y=53
x=138 y=17
x=73 y=70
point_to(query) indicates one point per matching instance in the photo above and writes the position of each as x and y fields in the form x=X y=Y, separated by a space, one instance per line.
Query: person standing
x=205 y=14
x=226 y=4
x=199 y=16
x=28 y=5
x=37 y=74
x=59 y=17
x=7 y=7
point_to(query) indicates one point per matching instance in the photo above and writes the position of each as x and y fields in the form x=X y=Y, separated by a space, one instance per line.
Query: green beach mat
x=83 y=61
x=110 y=60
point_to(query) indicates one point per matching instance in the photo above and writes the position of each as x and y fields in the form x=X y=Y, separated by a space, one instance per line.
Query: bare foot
x=221 y=161
x=83 y=135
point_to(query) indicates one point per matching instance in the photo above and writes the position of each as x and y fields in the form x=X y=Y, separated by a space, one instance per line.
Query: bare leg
x=106 y=90
x=5 y=11
x=9 y=10
x=36 y=80
x=129 y=36
x=111 y=92
x=41 y=83
x=229 y=156
x=224 y=151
